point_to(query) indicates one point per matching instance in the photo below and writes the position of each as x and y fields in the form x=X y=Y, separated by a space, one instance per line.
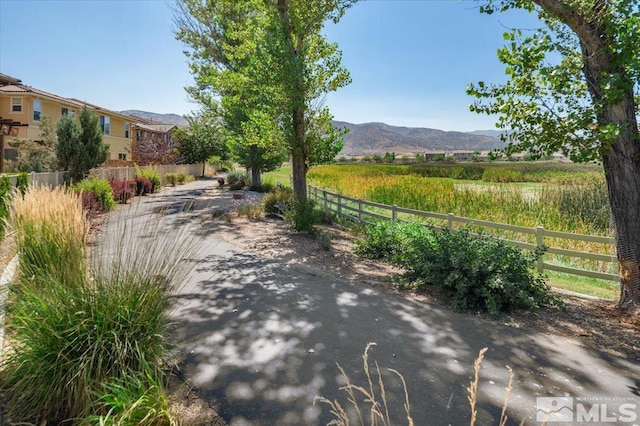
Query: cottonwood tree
x=202 y=138
x=573 y=87
x=269 y=56
x=222 y=37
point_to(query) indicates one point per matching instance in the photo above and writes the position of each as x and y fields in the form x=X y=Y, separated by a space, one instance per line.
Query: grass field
x=558 y=196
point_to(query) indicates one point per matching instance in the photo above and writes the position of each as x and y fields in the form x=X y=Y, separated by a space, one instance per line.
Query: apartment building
x=22 y=108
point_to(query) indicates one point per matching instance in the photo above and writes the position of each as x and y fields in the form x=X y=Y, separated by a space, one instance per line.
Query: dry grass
x=50 y=230
x=369 y=403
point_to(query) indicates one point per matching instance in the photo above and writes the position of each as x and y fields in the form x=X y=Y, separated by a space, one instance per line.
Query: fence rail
x=364 y=211
x=57 y=178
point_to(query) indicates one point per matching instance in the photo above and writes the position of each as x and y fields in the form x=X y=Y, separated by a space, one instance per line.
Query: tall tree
x=573 y=87
x=222 y=37
x=201 y=139
x=307 y=67
x=272 y=68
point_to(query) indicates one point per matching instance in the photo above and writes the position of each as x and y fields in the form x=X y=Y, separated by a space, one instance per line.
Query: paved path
x=262 y=340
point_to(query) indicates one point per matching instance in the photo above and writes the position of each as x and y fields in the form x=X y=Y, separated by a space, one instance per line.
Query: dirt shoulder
x=591 y=322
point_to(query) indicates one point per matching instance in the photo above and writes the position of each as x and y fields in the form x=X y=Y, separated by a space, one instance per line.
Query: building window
x=37 y=110
x=122 y=156
x=67 y=111
x=16 y=104
x=105 y=125
x=127 y=127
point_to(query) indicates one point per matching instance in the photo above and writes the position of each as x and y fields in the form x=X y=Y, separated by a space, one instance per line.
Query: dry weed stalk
x=376 y=416
x=473 y=387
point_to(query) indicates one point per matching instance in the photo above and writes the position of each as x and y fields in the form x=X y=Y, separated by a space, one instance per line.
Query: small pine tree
x=80 y=148
x=68 y=144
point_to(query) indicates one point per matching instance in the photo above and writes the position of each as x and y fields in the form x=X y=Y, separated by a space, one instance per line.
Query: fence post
x=339 y=205
x=324 y=198
x=359 y=209
x=394 y=212
x=539 y=244
x=450 y=224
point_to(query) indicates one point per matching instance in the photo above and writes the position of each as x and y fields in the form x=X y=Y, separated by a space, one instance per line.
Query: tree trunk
x=204 y=164
x=622 y=171
x=299 y=157
x=254 y=161
x=621 y=155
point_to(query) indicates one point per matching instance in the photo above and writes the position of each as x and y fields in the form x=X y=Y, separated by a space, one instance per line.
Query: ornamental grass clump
x=50 y=228
x=76 y=347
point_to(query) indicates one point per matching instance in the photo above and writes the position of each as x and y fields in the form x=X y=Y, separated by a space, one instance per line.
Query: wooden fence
x=366 y=211
x=57 y=178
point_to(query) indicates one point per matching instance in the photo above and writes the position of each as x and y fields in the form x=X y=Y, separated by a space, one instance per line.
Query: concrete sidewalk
x=261 y=340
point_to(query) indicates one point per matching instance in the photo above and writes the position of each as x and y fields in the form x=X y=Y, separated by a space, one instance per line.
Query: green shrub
x=151 y=174
x=391 y=239
x=237 y=177
x=303 y=216
x=276 y=202
x=102 y=189
x=22 y=183
x=171 y=179
x=474 y=273
x=181 y=178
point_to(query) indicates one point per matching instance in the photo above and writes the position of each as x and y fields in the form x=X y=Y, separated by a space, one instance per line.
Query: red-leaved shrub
x=90 y=204
x=123 y=190
x=143 y=185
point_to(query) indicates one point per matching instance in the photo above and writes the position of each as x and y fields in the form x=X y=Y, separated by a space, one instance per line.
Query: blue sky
x=409 y=60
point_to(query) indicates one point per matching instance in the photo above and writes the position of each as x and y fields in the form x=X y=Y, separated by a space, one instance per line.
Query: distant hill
x=370 y=138
x=157 y=118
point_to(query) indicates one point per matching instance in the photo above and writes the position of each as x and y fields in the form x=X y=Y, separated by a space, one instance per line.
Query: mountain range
x=378 y=138
x=157 y=118
x=372 y=138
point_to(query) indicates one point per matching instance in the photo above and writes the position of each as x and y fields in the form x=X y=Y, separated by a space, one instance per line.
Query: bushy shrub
x=181 y=178
x=102 y=190
x=152 y=175
x=143 y=185
x=123 y=190
x=303 y=216
x=474 y=273
x=276 y=202
x=391 y=239
x=237 y=179
x=171 y=179
x=90 y=204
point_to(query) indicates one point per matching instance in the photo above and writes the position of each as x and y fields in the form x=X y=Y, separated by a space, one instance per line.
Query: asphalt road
x=261 y=340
